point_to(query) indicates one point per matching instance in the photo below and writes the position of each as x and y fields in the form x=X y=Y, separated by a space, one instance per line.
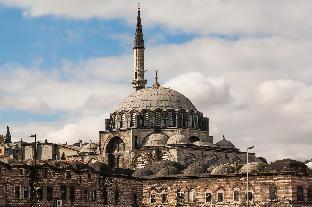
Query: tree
x=63 y=157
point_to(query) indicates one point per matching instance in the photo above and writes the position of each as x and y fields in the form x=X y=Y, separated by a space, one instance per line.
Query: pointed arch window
x=220 y=196
x=208 y=197
x=192 y=196
x=180 y=197
x=249 y=196
x=300 y=194
x=158 y=119
x=123 y=121
x=146 y=122
x=273 y=193
x=153 y=197
x=236 y=195
x=164 y=196
x=134 y=119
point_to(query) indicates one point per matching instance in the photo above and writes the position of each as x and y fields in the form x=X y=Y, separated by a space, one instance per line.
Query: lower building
x=63 y=183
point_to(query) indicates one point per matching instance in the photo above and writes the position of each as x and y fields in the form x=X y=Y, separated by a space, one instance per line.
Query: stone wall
x=163 y=192
x=65 y=183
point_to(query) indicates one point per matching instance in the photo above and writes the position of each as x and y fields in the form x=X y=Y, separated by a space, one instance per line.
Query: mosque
x=158 y=123
x=156 y=151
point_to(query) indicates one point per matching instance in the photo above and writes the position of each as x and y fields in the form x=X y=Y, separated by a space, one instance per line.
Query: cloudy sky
x=65 y=64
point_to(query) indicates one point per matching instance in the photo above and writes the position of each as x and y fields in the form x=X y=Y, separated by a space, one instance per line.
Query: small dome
x=201 y=143
x=167 y=171
x=178 y=139
x=223 y=169
x=142 y=172
x=196 y=168
x=225 y=144
x=252 y=167
x=156 y=139
x=155 y=98
x=160 y=168
x=91 y=147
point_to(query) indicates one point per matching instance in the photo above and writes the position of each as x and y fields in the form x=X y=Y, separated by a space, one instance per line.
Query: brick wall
x=259 y=186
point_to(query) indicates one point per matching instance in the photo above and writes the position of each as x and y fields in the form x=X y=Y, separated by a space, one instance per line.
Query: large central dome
x=156 y=98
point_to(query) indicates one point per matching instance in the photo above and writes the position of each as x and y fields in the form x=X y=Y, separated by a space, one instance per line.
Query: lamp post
x=35 y=150
x=248 y=148
x=34 y=189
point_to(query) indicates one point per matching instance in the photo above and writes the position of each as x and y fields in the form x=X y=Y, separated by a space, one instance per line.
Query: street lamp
x=248 y=148
x=34 y=189
x=35 y=151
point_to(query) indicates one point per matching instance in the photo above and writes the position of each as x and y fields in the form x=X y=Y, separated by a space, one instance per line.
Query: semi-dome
x=156 y=98
x=156 y=139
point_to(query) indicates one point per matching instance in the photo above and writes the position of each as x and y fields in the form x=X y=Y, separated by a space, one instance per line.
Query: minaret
x=138 y=56
x=8 y=136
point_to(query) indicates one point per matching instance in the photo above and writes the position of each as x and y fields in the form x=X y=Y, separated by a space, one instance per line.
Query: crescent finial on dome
x=156 y=84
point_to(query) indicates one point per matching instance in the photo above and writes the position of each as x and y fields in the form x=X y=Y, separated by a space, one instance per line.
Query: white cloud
x=247 y=88
x=256 y=90
x=85 y=128
x=205 y=92
x=258 y=17
x=288 y=96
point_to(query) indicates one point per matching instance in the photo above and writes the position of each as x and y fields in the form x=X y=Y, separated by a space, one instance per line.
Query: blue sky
x=64 y=66
x=50 y=40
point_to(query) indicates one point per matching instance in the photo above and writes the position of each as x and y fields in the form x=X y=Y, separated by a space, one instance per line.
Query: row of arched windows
x=158 y=118
x=218 y=196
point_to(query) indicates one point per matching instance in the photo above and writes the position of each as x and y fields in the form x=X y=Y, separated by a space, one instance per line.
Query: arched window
x=118 y=162
x=192 y=196
x=300 y=194
x=208 y=197
x=220 y=196
x=236 y=195
x=249 y=196
x=115 y=148
x=273 y=193
x=180 y=197
x=190 y=120
x=135 y=200
x=114 y=122
x=309 y=194
x=184 y=119
x=158 y=119
x=133 y=120
x=116 y=196
x=153 y=197
x=146 y=122
x=164 y=196
x=179 y=119
x=123 y=121
x=170 y=119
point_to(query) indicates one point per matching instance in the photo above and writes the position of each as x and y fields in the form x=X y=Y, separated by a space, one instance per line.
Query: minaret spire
x=138 y=81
